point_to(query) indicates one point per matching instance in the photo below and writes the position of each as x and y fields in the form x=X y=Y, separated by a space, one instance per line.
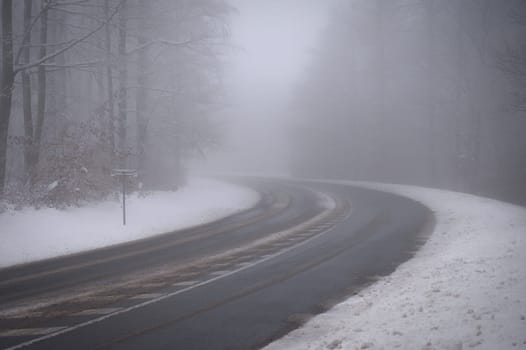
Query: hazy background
x=421 y=92
x=273 y=42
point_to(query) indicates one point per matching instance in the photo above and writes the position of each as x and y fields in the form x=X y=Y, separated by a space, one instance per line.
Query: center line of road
x=220 y=272
x=146 y=296
x=103 y=311
x=184 y=283
x=25 y=332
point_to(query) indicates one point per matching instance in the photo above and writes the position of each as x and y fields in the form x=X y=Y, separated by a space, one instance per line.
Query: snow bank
x=30 y=234
x=466 y=288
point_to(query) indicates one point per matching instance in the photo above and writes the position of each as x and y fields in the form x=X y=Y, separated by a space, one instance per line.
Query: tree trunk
x=26 y=94
x=142 y=94
x=6 y=85
x=431 y=91
x=41 y=97
x=123 y=78
x=179 y=175
x=380 y=158
x=462 y=125
x=109 y=81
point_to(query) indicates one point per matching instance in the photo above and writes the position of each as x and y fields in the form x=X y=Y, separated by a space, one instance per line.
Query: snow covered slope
x=466 y=287
x=30 y=234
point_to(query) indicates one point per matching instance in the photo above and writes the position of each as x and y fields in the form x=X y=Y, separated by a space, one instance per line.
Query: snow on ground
x=464 y=289
x=31 y=234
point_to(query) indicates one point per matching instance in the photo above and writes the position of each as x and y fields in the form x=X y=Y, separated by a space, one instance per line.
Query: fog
x=273 y=41
x=427 y=93
x=119 y=120
x=420 y=92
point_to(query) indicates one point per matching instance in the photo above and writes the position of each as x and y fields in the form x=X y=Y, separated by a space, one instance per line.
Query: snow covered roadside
x=465 y=288
x=30 y=234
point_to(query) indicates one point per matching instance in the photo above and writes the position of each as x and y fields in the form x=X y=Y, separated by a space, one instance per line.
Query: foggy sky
x=273 y=42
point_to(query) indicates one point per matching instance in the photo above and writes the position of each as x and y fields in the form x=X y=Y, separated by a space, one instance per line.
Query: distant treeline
x=87 y=86
x=424 y=92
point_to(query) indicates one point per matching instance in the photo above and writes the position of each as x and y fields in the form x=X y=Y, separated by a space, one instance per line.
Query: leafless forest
x=422 y=92
x=92 y=85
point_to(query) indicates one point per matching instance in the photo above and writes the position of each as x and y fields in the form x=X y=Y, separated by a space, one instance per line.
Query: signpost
x=123 y=174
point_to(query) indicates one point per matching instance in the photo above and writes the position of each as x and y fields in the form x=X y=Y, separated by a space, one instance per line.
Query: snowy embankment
x=465 y=288
x=31 y=234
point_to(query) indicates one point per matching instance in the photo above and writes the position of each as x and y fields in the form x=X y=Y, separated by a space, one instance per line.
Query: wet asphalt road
x=241 y=302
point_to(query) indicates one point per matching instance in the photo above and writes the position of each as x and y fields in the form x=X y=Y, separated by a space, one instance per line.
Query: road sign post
x=123 y=174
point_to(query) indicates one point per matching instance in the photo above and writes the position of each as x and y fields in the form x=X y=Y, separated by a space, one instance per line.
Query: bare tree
x=26 y=91
x=86 y=67
x=123 y=88
x=10 y=71
x=109 y=81
x=6 y=84
x=143 y=87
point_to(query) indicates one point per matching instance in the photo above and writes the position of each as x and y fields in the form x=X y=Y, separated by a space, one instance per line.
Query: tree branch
x=28 y=31
x=70 y=45
x=161 y=42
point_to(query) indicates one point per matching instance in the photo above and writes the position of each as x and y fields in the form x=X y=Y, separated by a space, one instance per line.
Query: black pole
x=123 y=177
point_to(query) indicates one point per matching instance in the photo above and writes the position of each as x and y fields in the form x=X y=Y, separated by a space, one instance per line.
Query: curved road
x=238 y=283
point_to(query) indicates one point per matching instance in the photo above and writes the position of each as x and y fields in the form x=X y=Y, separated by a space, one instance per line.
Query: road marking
x=99 y=298
x=168 y=295
x=221 y=264
x=29 y=314
x=243 y=264
x=102 y=311
x=146 y=296
x=184 y=283
x=26 y=332
x=153 y=285
x=218 y=273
